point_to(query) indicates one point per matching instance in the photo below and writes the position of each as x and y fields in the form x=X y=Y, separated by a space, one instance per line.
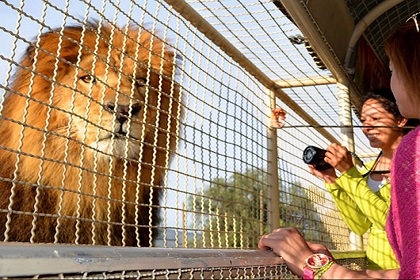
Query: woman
x=363 y=197
x=403 y=221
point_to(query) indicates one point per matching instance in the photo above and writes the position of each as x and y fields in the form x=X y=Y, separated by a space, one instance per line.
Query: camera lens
x=315 y=156
x=309 y=155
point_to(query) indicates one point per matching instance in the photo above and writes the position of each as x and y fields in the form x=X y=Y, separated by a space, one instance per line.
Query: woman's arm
x=350 y=212
x=355 y=219
x=374 y=207
x=351 y=181
x=358 y=220
x=292 y=247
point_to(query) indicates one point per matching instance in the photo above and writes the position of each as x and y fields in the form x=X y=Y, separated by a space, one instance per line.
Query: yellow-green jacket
x=362 y=210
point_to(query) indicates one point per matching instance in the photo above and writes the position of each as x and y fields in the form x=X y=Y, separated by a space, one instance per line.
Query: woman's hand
x=328 y=175
x=339 y=157
x=288 y=243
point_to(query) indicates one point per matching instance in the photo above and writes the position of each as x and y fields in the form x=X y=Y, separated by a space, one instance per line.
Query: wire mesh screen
x=122 y=123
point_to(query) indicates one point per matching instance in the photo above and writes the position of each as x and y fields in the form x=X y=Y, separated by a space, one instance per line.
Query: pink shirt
x=403 y=223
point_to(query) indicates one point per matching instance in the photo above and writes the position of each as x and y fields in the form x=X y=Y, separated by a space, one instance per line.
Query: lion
x=88 y=127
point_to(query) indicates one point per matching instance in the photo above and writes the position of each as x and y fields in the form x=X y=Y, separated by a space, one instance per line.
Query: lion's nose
x=124 y=111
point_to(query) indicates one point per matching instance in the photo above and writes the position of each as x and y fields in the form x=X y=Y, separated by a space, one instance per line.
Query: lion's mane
x=88 y=126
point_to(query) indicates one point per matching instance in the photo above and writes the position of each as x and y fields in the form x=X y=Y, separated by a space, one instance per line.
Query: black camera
x=315 y=156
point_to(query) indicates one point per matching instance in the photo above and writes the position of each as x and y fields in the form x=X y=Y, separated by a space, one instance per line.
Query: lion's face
x=110 y=98
x=107 y=106
x=107 y=95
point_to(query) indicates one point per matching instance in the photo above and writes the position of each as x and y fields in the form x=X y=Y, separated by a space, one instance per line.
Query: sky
x=227 y=108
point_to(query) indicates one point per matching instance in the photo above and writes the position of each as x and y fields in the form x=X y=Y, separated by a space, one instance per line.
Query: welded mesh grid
x=380 y=29
x=257 y=272
x=107 y=103
x=319 y=219
x=241 y=272
x=215 y=191
x=263 y=34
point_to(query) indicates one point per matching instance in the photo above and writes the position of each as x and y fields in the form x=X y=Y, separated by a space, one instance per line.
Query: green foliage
x=233 y=212
x=235 y=207
x=298 y=210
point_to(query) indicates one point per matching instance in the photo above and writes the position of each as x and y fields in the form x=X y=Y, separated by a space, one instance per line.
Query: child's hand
x=278 y=115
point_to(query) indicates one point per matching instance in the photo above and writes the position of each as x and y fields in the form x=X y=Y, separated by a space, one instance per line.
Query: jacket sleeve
x=372 y=206
x=349 y=211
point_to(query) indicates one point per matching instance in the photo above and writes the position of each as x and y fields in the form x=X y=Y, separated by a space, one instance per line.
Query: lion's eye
x=141 y=82
x=89 y=79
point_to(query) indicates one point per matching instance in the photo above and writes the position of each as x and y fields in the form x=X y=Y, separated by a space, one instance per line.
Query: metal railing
x=225 y=176
x=96 y=262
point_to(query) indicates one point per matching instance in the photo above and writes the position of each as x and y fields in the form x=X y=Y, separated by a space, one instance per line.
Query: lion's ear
x=50 y=48
x=44 y=50
x=29 y=56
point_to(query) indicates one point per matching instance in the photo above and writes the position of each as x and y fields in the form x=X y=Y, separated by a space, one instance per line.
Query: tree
x=232 y=212
x=299 y=210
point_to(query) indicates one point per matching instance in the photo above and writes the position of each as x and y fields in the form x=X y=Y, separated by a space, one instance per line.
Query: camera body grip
x=314 y=155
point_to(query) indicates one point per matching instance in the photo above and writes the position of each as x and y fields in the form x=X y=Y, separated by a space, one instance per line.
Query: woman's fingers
x=339 y=157
x=278 y=115
x=285 y=242
x=288 y=243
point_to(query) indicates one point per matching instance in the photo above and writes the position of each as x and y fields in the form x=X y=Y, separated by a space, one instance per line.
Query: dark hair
x=386 y=98
x=402 y=48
